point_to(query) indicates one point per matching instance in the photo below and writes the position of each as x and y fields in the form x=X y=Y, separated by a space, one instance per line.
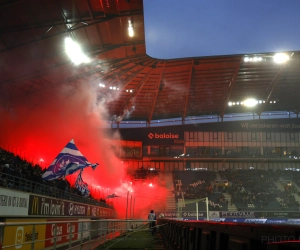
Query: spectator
x=152 y=217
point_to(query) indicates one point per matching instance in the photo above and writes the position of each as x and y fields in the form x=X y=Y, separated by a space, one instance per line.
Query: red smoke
x=40 y=132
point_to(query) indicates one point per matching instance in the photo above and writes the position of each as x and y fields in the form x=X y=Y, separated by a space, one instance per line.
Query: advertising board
x=21 y=235
x=63 y=232
x=51 y=207
x=13 y=203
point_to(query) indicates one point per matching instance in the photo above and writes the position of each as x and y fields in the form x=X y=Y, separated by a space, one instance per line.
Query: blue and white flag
x=81 y=185
x=67 y=162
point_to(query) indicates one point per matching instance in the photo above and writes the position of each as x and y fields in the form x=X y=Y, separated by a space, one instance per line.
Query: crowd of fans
x=248 y=189
x=144 y=173
x=20 y=174
x=193 y=185
x=256 y=189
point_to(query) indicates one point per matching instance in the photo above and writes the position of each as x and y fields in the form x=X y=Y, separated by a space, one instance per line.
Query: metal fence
x=17 y=183
x=71 y=234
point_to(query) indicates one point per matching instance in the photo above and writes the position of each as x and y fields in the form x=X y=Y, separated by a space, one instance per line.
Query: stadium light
x=253 y=59
x=250 y=102
x=280 y=58
x=74 y=52
x=130 y=29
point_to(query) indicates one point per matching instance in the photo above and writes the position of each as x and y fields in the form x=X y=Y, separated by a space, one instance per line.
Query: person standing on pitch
x=152 y=217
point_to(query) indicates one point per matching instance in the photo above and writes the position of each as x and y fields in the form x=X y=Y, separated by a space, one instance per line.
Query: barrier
x=197 y=235
x=15 y=203
x=32 y=234
x=12 y=182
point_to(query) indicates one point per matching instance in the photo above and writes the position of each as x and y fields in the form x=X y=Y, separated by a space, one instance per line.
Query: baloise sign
x=163 y=136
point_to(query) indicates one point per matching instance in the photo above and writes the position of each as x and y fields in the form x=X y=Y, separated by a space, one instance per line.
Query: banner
x=193 y=214
x=293 y=221
x=236 y=214
x=256 y=221
x=13 y=203
x=20 y=236
x=276 y=221
x=39 y=205
x=63 y=232
x=50 y=207
x=241 y=220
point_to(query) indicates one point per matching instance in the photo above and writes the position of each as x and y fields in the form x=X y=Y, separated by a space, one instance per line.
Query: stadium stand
x=19 y=174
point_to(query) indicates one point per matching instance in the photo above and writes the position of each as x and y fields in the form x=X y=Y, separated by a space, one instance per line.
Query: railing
x=72 y=234
x=192 y=235
x=17 y=183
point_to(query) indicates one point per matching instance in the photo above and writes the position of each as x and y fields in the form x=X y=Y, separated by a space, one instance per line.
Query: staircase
x=231 y=207
x=170 y=200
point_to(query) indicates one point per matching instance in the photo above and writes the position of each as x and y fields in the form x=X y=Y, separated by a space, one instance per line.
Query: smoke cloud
x=41 y=133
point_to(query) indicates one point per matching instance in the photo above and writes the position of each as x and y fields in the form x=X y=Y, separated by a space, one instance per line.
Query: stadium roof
x=135 y=86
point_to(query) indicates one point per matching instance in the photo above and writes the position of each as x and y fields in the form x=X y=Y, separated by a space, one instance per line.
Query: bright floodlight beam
x=130 y=29
x=250 y=102
x=74 y=52
x=280 y=58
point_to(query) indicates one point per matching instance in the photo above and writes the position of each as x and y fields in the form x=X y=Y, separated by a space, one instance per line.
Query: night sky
x=176 y=28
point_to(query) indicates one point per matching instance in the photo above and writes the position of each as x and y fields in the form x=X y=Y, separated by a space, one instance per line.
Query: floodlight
x=130 y=29
x=280 y=58
x=250 y=102
x=74 y=52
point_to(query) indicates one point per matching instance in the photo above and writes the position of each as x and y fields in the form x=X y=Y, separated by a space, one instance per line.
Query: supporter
x=17 y=173
x=152 y=217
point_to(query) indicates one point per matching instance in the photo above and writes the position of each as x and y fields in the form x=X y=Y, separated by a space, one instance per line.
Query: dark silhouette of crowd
x=252 y=189
x=17 y=173
x=256 y=189
x=144 y=173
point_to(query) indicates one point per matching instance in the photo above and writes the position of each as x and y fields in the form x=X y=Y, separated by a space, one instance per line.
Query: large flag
x=81 y=185
x=67 y=162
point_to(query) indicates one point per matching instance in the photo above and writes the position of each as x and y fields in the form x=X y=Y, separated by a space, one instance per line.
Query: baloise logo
x=163 y=136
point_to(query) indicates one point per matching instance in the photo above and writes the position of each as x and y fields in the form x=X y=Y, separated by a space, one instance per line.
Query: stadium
x=90 y=144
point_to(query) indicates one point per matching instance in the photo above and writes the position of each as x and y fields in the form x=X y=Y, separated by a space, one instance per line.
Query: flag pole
x=130 y=205
x=127 y=203
x=133 y=208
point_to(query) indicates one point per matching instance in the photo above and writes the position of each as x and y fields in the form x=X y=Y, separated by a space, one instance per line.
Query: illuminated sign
x=163 y=136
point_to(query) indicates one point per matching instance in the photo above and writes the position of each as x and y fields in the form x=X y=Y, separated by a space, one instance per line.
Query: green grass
x=138 y=239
